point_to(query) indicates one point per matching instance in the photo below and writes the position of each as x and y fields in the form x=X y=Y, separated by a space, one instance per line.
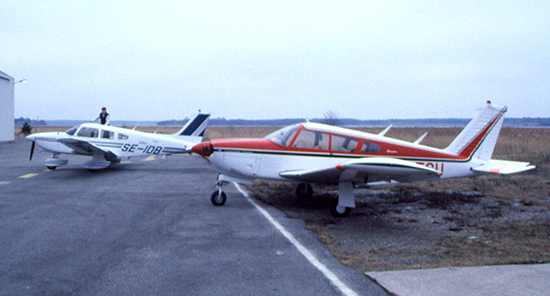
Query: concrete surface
x=513 y=280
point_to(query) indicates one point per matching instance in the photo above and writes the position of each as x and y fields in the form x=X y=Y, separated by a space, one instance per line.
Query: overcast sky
x=156 y=60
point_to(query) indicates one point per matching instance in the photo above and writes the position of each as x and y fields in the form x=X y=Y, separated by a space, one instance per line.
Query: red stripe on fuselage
x=386 y=149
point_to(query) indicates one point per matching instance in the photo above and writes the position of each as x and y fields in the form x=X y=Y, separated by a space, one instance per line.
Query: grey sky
x=155 y=60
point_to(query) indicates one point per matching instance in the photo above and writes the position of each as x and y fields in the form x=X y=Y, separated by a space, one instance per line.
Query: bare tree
x=330 y=118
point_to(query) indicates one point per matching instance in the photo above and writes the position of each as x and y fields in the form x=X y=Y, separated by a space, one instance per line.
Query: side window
x=88 y=132
x=107 y=135
x=122 y=137
x=290 y=136
x=369 y=147
x=343 y=144
x=312 y=140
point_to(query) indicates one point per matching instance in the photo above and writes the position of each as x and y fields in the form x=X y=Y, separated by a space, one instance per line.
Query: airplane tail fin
x=479 y=137
x=193 y=130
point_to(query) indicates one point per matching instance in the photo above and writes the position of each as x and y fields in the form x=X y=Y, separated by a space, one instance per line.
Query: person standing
x=104 y=117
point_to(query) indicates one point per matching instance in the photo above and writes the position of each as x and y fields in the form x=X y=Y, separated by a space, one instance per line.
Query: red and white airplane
x=316 y=153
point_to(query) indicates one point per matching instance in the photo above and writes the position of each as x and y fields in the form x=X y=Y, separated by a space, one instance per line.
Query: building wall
x=6 y=108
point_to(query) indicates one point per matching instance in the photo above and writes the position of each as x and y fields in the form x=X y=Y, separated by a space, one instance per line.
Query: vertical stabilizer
x=193 y=130
x=478 y=138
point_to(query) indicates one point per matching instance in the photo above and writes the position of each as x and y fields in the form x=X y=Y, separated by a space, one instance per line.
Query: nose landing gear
x=218 y=197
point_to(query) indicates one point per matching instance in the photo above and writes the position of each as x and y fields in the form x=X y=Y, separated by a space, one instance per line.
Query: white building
x=6 y=108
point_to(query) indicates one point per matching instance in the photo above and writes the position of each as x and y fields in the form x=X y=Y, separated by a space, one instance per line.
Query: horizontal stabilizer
x=503 y=167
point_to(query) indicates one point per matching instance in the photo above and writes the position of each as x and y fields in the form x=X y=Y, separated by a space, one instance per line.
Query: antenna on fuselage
x=421 y=138
x=382 y=133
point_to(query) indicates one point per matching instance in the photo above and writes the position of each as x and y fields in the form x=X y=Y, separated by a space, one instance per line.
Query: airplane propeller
x=32 y=150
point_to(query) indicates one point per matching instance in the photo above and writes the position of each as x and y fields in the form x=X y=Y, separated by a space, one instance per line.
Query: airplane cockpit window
x=343 y=144
x=72 y=130
x=122 y=137
x=369 y=147
x=284 y=135
x=107 y=135
x=88 y=132
x=312 y=140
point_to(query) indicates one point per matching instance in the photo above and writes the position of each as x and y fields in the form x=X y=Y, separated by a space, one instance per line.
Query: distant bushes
x=21 y=121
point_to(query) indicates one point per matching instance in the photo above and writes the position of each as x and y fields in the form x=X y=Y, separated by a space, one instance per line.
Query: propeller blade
x=32 y=150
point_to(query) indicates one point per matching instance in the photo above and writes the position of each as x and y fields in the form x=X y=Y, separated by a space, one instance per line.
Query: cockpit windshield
x=284 y=135
x=72 y=130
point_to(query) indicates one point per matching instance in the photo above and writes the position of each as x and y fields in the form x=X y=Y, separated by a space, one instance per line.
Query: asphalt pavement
x=147 y=227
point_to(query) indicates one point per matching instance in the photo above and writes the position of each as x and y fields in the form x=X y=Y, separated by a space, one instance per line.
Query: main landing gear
x=54 y=162
x=305 y=191
x=340 y=208
x=339 y=211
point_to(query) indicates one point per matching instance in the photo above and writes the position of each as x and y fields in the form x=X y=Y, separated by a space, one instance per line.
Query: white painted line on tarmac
x=307 y=253
x=28 y=176
x=4 y=182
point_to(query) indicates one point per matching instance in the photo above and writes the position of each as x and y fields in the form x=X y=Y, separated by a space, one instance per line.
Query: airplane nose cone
x=204 y=148
x=30 y=137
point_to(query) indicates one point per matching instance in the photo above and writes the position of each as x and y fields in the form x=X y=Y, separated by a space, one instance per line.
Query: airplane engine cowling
x=204 y=148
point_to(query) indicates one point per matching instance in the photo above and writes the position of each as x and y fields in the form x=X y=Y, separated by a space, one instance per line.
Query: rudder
x=194 y=129
x=479 y=137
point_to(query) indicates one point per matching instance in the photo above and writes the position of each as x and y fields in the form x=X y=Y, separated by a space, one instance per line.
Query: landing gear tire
x=218 y=199
x=304 y=191
x=338 y=211
x=51 y=168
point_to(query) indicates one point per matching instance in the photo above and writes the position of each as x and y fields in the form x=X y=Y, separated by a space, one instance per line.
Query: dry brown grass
x=410 y=226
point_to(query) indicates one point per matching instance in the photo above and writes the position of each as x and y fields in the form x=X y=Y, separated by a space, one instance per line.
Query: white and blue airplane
x=107 y=145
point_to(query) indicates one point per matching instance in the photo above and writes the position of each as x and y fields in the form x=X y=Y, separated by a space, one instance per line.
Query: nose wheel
x=218 y=197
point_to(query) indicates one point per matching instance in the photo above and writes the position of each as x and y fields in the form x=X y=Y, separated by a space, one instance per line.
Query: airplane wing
x=374 y=168
x=86 y=148
x=503 y=167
